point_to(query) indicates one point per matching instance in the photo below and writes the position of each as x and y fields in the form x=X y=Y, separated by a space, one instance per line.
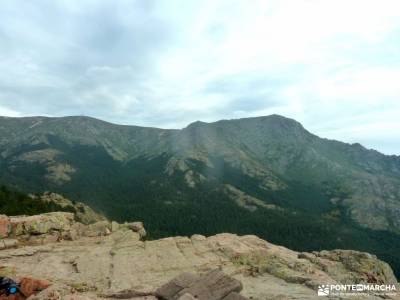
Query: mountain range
x=266 y=175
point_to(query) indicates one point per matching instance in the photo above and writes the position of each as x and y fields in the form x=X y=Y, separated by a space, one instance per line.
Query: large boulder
x=114 y=226
x=100 y=228
x=136 y=227
x=214 y=285
x=8 y=243
x=353 y=266
x=173 y=287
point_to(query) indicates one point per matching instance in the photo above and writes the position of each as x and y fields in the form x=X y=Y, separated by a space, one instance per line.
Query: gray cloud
x=166 y=64
x=79 y=59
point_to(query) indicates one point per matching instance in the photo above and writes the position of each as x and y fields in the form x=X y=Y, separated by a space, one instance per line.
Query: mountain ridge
x=277 y=116
x=265 y=175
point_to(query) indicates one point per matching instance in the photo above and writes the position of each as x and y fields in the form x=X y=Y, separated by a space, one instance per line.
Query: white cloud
x=9 y=112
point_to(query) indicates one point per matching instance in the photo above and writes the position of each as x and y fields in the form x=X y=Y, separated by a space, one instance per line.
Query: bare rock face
x=83 y=213
x=112 y=261
x=55 y=226
x=5 y=226
x=41 y=224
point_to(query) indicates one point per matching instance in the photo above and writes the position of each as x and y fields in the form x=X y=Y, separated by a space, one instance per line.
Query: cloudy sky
x=332 y=65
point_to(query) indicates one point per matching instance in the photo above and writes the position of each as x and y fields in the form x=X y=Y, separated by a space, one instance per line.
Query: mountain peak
x=272 y=119
x=197 y=124
x=279 y=119
x=275 y=125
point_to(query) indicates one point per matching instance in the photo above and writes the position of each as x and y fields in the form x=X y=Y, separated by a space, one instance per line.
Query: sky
x=334 y=66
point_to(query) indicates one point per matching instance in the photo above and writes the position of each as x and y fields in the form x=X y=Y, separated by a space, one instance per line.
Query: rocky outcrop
x=110 y=260
x=41 y=224
x=20 y=227
x=248 y=202
x=54 y=227
x=83 y=213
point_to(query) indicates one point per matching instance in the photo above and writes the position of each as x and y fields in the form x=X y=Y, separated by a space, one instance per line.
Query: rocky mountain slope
x=107 y=260
x=267 y=176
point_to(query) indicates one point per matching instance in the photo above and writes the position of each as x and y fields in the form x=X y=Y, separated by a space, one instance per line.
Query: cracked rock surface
x=104 y=265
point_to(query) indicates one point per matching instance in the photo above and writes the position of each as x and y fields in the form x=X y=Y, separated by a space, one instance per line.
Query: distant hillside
x=267 y=176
